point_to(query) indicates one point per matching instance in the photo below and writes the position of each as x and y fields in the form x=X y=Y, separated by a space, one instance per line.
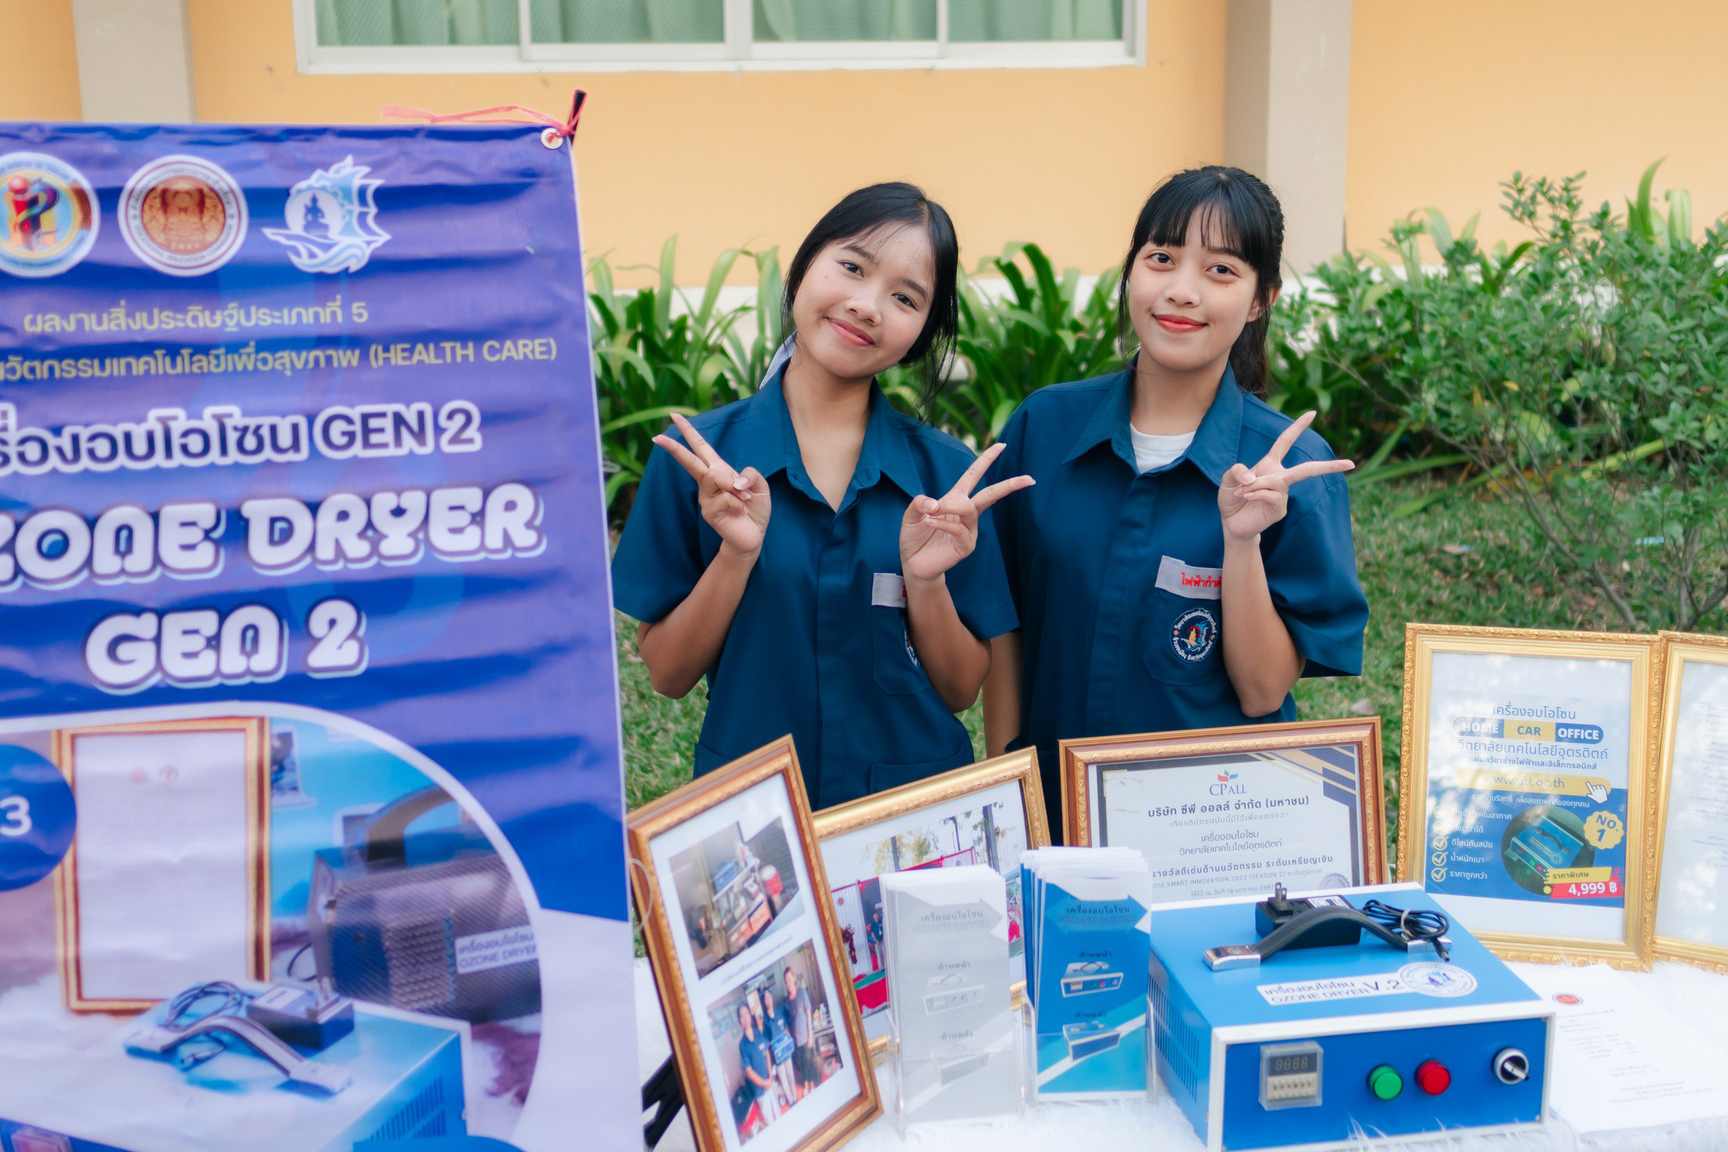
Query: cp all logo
x=48 y=215
x=1195 y=634
x=182 y=215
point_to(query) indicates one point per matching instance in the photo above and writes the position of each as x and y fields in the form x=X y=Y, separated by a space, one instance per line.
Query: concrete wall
x=1450 y=97
x=1445 y=99
x=39 y=63
x=1061 y=156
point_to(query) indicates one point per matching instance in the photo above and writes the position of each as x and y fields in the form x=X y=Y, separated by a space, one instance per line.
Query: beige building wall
x=1450 y=97
x=1062 y=157
x=39 y=62
x=1446 y=99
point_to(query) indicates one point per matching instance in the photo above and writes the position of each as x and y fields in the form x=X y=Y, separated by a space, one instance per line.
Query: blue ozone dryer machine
x=233 y=1066
x=1308 y=1027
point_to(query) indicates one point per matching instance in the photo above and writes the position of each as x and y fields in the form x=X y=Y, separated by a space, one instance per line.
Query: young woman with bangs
x=1187 y=553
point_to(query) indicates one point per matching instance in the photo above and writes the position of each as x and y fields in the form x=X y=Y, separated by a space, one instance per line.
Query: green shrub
x=650 y=362
x=1580 y=371
x=1044 y=331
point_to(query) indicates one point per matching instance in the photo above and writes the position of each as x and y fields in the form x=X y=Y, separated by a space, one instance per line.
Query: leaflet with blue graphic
x=1043 y=859
x=1093 y=947
x=311 y=802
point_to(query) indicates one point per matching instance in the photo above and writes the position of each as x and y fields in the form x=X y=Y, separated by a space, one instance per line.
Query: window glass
x=998 y=21
x=628 y=21
x=365 y=23
x=793 y=21
x=652 y=23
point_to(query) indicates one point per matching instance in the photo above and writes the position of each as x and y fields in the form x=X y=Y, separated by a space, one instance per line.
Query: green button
x=1385 y=1082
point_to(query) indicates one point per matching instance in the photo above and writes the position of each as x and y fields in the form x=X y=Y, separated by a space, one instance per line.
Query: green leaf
x=1440 y=231
x=656 y=416
x=716 y=280
x=1679 y=217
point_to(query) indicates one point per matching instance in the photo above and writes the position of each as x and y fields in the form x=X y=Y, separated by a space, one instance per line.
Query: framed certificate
x=1233 y=811
x=1692 y=763
x=1526 y=796
x=985 y=813
x=157 y=801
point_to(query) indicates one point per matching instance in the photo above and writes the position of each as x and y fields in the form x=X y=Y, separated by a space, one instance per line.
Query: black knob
x=1511 y=1066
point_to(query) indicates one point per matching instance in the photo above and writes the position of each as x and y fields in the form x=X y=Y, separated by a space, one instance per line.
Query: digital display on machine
x=1290 y=1075
x=1295 y=1064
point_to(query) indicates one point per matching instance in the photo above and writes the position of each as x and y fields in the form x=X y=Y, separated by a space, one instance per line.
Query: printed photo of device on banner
x=311 y=804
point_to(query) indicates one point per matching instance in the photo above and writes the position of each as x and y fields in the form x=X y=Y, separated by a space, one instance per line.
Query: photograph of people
x=734 y=888
x=873 y=931
x=778 y=1023
x=776 y=1038
x=805 y=1066
x=756 y=1063
x=817 y=555
x=1186 y=554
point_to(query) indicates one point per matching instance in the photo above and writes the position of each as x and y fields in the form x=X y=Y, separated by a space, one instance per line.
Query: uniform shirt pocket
x=1180 y=642
x=894 y=662
x=885 y=776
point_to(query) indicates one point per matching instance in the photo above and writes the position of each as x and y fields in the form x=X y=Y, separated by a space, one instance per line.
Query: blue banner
x=310 y=794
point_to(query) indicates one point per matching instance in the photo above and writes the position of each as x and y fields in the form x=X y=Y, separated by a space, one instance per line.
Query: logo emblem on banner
x=182 y=215
x=1195 y=633
x=332 y=220
x=47 y=215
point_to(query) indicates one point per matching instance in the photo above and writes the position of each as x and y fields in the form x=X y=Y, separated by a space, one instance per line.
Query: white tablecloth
x=1701 y=997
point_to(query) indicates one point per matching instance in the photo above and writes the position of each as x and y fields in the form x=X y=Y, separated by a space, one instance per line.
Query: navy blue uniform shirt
x=755 y=1054
x=819 y=646
x=1116 y=574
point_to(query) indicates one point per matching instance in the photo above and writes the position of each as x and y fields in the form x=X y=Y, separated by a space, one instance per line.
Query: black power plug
x=1275 y=911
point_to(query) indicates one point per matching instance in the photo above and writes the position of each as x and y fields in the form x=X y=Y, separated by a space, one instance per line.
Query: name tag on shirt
x=1188 y=580
x=887 y=590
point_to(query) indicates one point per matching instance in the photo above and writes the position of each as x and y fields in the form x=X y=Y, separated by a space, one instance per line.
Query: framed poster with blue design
x=1527 y=796
x=311 y=798
x=1692 y=770
x=1221 y=812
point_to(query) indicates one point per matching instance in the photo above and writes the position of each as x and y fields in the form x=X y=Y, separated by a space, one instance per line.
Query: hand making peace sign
x=937 y=534
x=1251 y=500
x=735 y=504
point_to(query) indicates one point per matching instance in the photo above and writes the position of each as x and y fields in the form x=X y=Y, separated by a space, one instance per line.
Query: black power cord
x=1415 y=925
x=180 y=1014
x=1300 y=927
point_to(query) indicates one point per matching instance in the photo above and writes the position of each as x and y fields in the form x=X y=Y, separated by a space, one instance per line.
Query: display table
x=1701 y=997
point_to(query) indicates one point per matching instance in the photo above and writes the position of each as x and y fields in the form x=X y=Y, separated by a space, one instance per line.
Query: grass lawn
x=1469 y=560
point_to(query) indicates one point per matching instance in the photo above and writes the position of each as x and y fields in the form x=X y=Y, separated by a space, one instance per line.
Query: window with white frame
x=505 y=35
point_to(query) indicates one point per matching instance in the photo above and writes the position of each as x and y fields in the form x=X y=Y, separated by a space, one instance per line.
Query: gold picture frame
x=75 y=754
x=1009 y=781
x=1559 y=726
x=1209 y=798
x=1689 y=896
x=727 y=877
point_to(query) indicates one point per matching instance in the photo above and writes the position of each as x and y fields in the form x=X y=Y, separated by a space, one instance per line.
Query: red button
x=1432 y=1077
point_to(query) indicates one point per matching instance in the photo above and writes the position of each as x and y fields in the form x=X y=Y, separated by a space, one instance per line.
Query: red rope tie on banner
x=555 y=130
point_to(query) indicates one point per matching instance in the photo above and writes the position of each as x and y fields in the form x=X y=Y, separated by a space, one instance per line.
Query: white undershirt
x=1156 y=451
